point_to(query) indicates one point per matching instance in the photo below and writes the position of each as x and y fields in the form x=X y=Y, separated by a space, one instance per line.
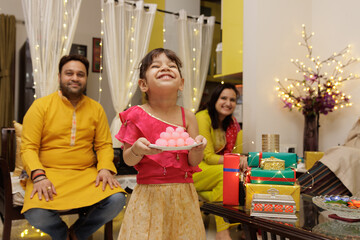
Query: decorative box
x=251 y=189
x=281 y=177
x=272 y=164
x=273 y=205
x=311 y=158
x=231 y=179
x=289 y=158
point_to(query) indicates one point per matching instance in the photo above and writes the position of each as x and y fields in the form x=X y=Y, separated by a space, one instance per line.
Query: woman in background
x=222 y=131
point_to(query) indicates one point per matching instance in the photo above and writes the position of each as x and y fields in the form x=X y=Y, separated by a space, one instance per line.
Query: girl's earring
x=179 y=93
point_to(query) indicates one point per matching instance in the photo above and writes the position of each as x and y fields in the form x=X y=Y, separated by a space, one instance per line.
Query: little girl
x=164 y=203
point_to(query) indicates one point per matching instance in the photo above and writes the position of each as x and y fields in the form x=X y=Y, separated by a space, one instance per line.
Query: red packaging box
x=231 y=179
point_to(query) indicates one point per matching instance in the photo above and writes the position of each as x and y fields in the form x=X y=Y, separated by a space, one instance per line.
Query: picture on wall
x=78 y=49
x=96 y=60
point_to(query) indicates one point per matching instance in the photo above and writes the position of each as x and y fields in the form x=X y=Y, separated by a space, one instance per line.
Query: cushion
x=17 y=190
x=18 y=161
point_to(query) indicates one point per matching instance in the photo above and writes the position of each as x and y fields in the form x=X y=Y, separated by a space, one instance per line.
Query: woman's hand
x=43 y=186
x=106 y=177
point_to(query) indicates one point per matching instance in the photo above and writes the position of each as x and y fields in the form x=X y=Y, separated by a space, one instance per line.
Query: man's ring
x=49 y=188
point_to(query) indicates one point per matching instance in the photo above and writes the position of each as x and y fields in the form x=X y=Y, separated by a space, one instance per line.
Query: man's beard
x=70 y=93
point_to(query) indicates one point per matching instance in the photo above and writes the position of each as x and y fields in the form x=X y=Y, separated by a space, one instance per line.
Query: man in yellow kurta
x=67 y=152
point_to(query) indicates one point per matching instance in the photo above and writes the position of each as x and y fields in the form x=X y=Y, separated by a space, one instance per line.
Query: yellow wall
x=156 y=40
x=215 y=11
x=232 y=56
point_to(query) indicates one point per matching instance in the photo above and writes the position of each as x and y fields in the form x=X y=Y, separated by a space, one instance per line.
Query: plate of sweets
x=343 y=206
x=174 y=139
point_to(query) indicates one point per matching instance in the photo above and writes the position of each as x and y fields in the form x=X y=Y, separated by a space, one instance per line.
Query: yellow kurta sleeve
x=238 y=148
x=206 y=130
x=31 y=136
x=103 y=144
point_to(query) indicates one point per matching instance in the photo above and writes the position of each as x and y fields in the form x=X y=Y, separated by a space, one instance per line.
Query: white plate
x=174 y=148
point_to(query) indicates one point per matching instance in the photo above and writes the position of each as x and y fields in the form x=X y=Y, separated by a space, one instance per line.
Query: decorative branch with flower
x=318 y=90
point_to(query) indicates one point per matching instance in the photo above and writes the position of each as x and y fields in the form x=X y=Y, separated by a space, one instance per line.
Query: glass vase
x=311 y=133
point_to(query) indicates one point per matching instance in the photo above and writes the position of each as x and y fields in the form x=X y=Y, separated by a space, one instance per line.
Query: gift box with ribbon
x=254 y=158
x=231 y=179
x=281 y=177
x=251 y=189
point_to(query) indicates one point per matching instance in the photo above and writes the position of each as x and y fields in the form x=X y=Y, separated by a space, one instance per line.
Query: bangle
x=39 y=180
x=38 y=175
x=135 y=153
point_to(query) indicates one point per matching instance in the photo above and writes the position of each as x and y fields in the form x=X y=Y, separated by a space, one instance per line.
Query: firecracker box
x=281 y=177
x=273 y=204
x=255 y=157
x=231 y=179
x=251 y=189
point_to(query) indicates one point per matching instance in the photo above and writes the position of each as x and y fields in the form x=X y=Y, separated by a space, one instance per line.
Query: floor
x=21 y=229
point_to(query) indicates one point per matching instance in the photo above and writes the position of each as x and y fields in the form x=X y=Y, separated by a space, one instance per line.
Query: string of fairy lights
x=64 y=38
x=195 y=71
x=131 y=52
x=101 y=52
x=194 y=53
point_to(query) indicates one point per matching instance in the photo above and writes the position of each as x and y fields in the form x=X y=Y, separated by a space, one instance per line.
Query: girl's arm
x=134 y=153
x=196 y=154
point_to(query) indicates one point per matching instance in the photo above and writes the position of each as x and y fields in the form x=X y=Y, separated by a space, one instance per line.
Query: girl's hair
x=214 y=115
x=148 y=60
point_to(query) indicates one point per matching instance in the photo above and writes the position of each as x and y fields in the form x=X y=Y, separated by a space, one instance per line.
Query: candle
x=231 y=179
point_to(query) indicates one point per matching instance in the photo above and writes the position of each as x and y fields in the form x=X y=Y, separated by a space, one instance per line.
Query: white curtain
x=50 y=26
x=194 y=49
x=127 y=31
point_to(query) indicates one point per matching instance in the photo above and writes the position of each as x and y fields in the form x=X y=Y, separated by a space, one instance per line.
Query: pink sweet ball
x=175 y=135
x=180 y=142
x=165 y=135
x=172 y=143
x=179 y=130
x=174 y=138
x=189 y=141
x=184 y=135
x=170 y=129
x=161 y=142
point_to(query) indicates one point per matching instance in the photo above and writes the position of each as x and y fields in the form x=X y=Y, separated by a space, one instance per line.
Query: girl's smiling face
x=162 y=74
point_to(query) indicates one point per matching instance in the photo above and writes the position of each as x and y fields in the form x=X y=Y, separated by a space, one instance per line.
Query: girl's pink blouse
x=165 y=167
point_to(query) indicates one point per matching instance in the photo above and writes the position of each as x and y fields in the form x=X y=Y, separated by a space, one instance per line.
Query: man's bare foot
x=223 y=235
